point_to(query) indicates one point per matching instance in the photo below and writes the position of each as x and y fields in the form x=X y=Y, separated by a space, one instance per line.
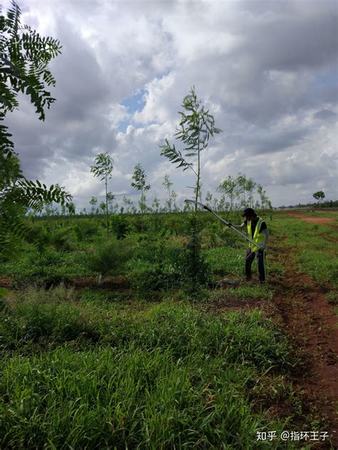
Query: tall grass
x=131 y=399
x=166 y=376
x=43 y=316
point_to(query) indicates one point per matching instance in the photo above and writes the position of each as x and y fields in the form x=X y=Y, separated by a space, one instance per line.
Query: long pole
x=228 y=224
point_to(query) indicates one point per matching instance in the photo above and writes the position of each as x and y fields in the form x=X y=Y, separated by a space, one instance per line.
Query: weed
x=332 y=297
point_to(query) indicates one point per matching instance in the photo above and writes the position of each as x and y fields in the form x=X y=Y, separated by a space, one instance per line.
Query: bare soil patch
x=5 y=282
x=312 y=219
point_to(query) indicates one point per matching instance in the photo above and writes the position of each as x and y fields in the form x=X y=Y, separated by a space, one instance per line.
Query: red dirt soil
x=312 y=219
x=312 y=325
x=300 y=308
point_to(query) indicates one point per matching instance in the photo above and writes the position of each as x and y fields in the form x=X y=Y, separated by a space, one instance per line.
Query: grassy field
x=143 y=365
x=315 y=246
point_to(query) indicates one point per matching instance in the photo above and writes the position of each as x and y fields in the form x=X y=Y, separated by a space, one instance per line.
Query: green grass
x=320 y=265
x=3 y=292
x=312 y=245
x=45 y=317
x=83 y=372
x=332 y=297
x=251 y=292
x=100 y=369
x=116 y=399
x=226 y=260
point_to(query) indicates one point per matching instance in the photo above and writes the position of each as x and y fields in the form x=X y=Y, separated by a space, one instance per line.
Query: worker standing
x=257 y=231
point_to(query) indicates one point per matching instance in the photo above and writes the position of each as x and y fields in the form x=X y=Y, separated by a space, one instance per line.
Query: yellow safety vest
x=258 y=237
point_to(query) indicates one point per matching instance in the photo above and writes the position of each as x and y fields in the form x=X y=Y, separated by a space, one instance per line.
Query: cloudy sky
x=268 y=71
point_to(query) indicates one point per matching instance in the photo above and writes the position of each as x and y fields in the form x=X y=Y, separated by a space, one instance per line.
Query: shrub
x=63 y=239
x=156 y=264
x=85 y=230
x=110 y=258
x=119 y=226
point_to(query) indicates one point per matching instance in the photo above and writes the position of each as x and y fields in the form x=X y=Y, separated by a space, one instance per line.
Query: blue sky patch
x=135 y=102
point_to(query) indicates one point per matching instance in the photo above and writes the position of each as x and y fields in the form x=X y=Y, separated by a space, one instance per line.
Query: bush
x=63 y=239
x=40 y=268
x=85 y=230
x=156 y=264
x=110 y=258
x=145 y=276
x=119 y=226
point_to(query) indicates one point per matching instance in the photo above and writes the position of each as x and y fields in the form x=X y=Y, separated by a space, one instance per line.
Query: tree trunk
x=106 y=184
x=198 y=176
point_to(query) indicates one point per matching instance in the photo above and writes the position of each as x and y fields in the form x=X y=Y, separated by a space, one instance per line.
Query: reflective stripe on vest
x=258 y=237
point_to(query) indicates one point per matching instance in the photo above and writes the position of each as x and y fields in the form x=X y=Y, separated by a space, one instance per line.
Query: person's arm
x=242 y=225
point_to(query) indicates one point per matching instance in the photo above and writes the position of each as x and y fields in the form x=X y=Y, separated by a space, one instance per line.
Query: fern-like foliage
x=174 y=155
x=24 y=59
x=17 y=198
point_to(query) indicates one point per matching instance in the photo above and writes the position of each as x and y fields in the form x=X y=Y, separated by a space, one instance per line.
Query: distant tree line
x=233 y=193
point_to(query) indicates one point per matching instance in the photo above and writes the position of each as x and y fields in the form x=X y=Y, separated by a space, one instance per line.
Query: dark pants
x=250 y=256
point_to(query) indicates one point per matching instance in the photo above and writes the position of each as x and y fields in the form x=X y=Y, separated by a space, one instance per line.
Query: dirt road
x=312 y=325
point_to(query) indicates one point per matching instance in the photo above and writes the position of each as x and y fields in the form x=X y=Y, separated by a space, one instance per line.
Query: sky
x=266 y=70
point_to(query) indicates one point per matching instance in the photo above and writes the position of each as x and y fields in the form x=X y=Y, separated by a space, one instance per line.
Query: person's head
x=249 y=214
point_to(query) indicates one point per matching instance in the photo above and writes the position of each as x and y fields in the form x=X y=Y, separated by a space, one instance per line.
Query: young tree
x=319 y=196
x=128 y=204
x=103 y=207
x=93 y=203
x=250 y=188
x=103 y=168
x=71 y=208
x=229 y=187
x=140 y=184
x=156 y=204
x=265 y=202
x=196 y=127
x=241 y=188
x=171 y=193
x=24 y=59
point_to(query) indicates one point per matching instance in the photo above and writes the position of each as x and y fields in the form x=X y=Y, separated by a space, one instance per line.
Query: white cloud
x=267 y=71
